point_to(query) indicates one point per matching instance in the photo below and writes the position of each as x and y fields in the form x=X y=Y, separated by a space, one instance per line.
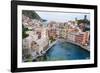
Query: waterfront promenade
x=43 y=52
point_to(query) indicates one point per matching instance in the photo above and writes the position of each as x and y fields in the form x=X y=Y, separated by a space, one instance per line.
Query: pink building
x=82 y=38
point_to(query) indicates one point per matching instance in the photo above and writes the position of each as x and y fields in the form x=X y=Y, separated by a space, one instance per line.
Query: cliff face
x=31 y=14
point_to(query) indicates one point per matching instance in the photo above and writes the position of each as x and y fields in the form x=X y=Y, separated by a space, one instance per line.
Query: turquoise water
x=66 y=51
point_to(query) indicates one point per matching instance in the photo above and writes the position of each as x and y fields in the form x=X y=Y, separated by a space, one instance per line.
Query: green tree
x=24 y=35
x=83 y=21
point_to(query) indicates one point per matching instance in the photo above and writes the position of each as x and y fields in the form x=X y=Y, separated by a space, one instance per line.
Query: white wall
x=5 y=36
